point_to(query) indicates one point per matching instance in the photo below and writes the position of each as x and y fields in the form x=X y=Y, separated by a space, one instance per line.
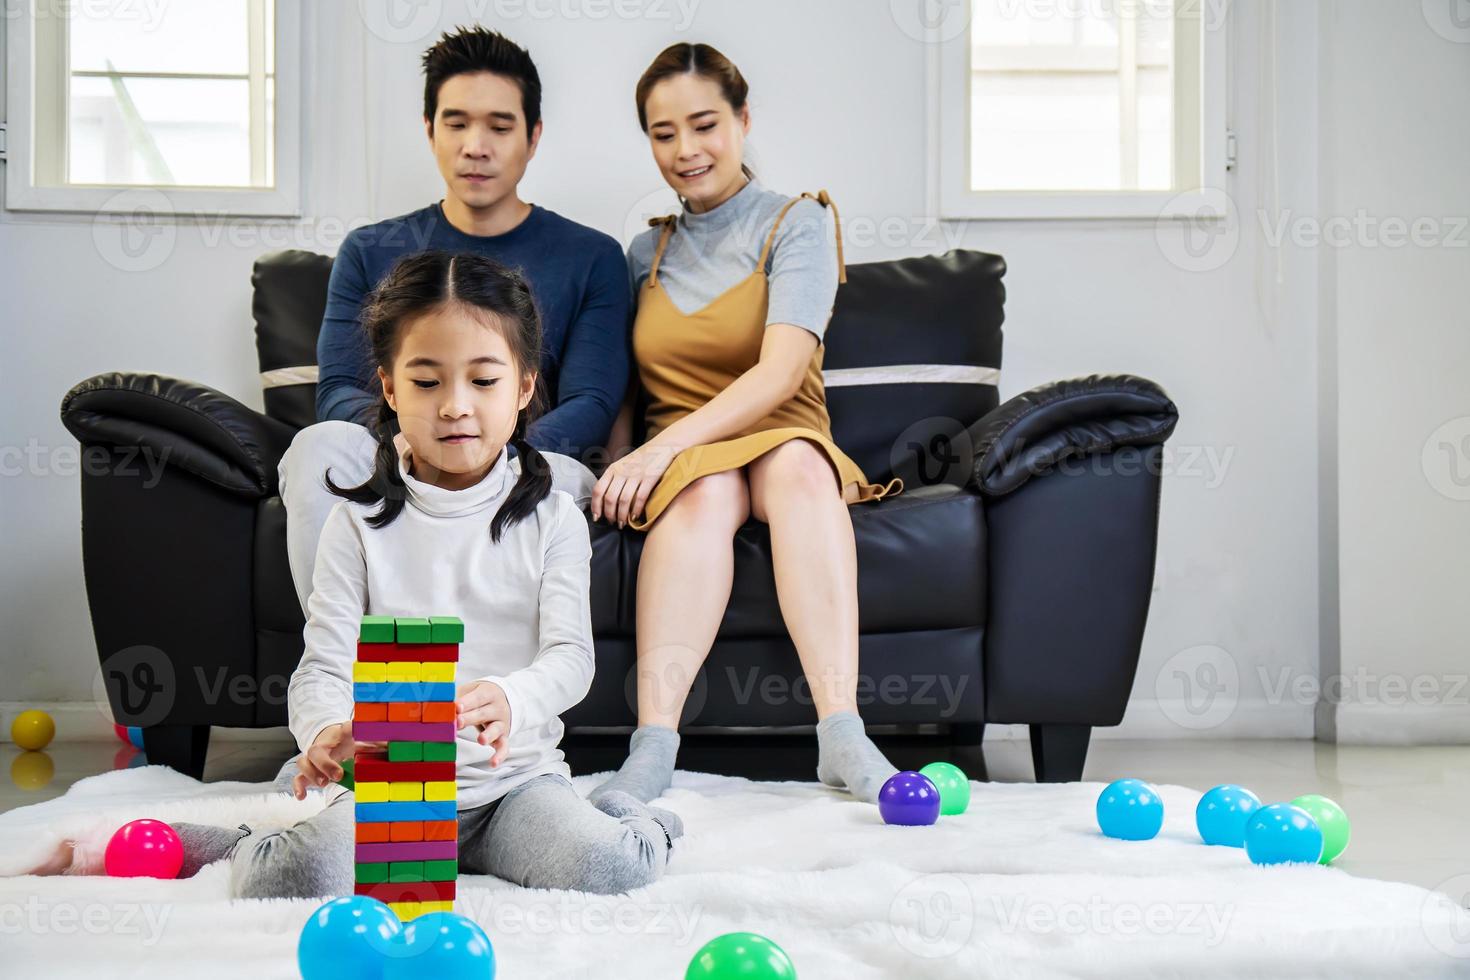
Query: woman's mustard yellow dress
x=684 y=360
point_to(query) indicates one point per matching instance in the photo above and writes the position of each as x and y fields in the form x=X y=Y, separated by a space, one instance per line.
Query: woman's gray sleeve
x=804 y=269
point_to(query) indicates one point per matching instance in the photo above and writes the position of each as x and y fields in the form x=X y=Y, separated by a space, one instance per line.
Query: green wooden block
x=376 y=629
x=406 y=752
x=372 y=874
x=406 y=871
x=411 y=629
x=346 y=779
x=440 y=870
x=438 y=751
x=446 y=629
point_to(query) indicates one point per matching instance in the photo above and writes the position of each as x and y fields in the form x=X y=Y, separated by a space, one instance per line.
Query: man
x=482 y=116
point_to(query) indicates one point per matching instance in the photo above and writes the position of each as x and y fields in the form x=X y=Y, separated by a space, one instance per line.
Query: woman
x=733 y=296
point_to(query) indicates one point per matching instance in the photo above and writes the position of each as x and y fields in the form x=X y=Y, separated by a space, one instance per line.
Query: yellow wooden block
x=406 y=910
x=436 y=906
x=405 y=792
x=438 y=792
x=404 y=672
x=436 y=673
x=370 y=792
x=366 y=673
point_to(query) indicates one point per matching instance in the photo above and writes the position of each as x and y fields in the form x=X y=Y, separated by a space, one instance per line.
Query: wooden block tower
x=407 y=824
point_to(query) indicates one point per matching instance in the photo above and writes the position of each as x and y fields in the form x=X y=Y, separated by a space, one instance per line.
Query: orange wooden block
x=405 y=711
x=441 y=830
x=370 y=711
x=372 y=833
x=406 y=830
x=438 y=711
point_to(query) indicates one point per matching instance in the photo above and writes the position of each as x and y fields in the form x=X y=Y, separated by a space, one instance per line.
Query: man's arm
x=342 y=354
x=594 y=372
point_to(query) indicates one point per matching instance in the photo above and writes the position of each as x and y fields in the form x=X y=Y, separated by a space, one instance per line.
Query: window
x=1080 y=108
x=194 y=99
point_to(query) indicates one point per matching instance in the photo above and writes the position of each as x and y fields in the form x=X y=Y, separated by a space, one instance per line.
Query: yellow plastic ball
x=32 y=770
x=32 y=730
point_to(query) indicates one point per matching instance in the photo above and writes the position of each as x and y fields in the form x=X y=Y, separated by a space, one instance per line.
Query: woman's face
x=456 y=389
x=698 y=140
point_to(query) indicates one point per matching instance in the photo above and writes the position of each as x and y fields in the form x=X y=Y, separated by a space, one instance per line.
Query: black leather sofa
x=1008 y=583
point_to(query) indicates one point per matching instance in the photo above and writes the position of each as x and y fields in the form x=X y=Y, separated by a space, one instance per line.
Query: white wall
x=838 y=100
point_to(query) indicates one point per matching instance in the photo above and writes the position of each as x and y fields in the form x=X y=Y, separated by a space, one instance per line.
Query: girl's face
x=457 y=391
x=698 y=140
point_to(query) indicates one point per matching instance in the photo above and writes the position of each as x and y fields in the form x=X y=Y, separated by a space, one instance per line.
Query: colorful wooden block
x=407 y=891
x=411 y=629
x=376 y=629
x=406 y=871
x=369 y=673
x=407 y=911
x=441 y=870
x=389 y=731
x=441 y=829
x=407 y=793
x=379 y=771
x=405 y=751
x=437 y=791
x=428 y=850
x=437 y=711
x=371 y=871
x=348 y=777
x=405 y=711
x=403 y=671
x=437 y=672
x=389 y=812
x=376 y=792
x=399 y=830
x=446 y=751
x=376 y=833
x=446 y=629
x=419 y=652
x=402 y=691
x=370 y=711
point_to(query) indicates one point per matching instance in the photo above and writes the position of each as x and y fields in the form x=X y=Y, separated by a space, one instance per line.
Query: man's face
x=478 y=136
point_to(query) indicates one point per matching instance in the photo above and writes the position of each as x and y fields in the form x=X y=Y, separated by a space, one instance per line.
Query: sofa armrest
x=183 y=423
x=1035 y=431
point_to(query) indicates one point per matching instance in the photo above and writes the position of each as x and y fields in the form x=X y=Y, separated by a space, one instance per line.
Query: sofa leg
x=1058 y=752
x=181 y=747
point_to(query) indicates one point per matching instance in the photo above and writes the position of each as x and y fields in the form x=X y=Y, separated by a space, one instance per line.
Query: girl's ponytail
x=533 y=486
x=384 y=484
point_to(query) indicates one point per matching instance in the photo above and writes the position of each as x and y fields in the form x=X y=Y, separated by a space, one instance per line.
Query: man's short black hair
x=475 y=49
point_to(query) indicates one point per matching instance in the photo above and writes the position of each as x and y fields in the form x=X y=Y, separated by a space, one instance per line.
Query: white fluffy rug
x=1022 y=885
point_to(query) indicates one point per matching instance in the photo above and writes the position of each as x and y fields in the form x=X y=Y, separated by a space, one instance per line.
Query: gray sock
x=649 y=768
x=616 y=803
x=205 y=844
x=847 y=758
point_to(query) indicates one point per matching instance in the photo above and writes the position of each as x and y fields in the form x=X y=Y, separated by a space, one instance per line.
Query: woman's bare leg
x=684 y=579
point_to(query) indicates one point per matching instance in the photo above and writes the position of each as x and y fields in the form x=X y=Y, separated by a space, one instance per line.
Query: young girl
x=447 y=523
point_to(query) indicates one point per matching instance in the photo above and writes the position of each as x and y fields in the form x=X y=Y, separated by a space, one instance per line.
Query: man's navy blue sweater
x=578 y=276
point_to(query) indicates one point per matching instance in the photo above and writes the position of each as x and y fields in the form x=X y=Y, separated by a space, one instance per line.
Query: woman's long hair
x=694 y=59
x=418 y=285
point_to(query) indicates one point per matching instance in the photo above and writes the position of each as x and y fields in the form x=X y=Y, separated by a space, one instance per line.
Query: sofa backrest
x=913 y=352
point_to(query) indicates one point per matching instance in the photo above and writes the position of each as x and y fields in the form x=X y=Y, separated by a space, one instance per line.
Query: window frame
x=22 y=193
x=949 y=142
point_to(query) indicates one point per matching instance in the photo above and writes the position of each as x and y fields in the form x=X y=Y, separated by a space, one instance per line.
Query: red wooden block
x=407 y=891
x=419 y=653
x=372 y=833
x=404 y=711
x=441 y=830
x=438 y=711
x=405 y=830
x=370 y=711
x=375 y=771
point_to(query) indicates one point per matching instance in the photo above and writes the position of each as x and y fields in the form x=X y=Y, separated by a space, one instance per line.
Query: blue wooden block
x=387 y=812
x=403 y=691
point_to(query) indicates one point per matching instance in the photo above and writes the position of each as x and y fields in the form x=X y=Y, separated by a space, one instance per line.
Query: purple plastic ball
x=909 y=799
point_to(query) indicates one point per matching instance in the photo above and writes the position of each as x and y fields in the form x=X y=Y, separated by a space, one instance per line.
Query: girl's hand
x=322 y=763
x=484 y=705
x=627 y=483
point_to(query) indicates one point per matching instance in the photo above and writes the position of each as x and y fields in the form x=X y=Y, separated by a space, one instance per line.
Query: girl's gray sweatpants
x=541 y=835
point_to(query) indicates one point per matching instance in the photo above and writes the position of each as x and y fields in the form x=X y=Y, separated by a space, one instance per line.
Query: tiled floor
x=1407 y=805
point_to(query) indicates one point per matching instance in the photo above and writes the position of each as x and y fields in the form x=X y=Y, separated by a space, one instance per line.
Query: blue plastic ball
x=909 y=799
x=1222 y=813
x=1130 y=809
x=1282 y=833
x=442 y=945
x=347 y=938
x=135 y=735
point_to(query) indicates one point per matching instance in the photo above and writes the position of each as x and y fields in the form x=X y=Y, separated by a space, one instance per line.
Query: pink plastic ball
x=144 y=848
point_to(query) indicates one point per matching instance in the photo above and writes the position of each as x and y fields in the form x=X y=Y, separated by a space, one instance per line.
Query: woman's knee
x=796 y=469
x=719 y=499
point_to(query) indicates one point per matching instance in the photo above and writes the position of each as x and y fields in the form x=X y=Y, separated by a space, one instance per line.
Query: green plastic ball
x=953 y=786
x=1331 y=819
x=742 y=955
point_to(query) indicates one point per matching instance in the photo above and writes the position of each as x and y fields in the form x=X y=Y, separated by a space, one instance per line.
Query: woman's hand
x=484 y=705
x=627 y=483
x=322 y=763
